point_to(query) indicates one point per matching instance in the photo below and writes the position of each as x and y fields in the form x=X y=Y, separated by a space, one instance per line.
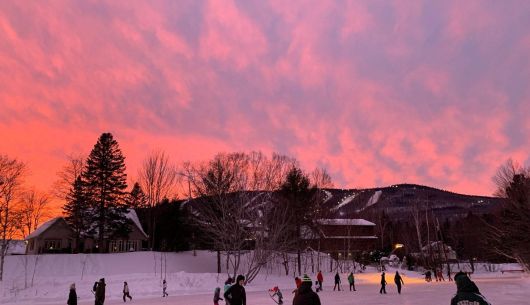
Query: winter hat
x=306 y=278
x=465 y=284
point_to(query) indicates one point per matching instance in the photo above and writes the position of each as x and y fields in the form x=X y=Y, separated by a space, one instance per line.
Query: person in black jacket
x=467 y=292
x=72 y=297
x=305 y=295
x=337 y=282
x=100 y=292
x=398 y=280
x=236 y=294
x=383 y=284
x=126 y=292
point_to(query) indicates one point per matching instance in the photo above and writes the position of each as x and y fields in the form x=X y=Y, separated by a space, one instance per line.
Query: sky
x=378 y=92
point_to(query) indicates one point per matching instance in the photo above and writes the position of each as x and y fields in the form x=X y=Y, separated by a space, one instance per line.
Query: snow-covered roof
x=132 y=216
x=45 y=226
x=345 y=222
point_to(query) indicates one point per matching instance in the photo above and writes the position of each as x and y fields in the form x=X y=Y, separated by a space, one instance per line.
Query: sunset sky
x=378 y=92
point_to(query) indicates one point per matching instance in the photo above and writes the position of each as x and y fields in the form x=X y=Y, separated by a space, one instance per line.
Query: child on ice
x=276 y=292
x=216 y=296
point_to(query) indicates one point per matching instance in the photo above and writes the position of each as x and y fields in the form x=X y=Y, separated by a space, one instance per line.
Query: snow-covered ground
x=191 y=280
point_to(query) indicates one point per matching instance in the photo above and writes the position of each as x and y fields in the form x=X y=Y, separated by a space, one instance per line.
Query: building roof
x=345 y=222
x=133 y=217
x=45 y=226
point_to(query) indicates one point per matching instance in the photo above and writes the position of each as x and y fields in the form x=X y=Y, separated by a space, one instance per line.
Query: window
x=52 y=244
x=123 y=245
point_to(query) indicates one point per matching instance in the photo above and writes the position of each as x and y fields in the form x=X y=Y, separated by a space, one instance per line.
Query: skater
x=276 y=293
x=467 y=292
x=449 y=273
x=126 y=292
x=72 y=296
x=236 y=294
x=351 y=280
x=320 y=280
x=164 y=287
x=100 y=292
x=383 y=284
x=398 y=280
x=216 y=296
x=440 y=275
x=228 y=284
x=305 y=295
x=317 y=286
x=428 y=276
x=337 y=281
x=297 y=282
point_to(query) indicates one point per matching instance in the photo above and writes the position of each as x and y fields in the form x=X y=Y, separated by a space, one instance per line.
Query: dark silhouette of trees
x=302 y=205
x=136 y=199
x=105 y=181
x=11 y=178
x=77 y=212
x=509 y=237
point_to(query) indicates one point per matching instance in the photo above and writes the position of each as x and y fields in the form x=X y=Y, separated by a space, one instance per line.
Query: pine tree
x=105 y=180
x=77 y=211
x=136 y=198
x=302 y=203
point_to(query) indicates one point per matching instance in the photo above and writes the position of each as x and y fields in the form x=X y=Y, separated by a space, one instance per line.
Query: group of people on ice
x=398 y=280
x=234 y=293
x=98 y=289
x=438 y=275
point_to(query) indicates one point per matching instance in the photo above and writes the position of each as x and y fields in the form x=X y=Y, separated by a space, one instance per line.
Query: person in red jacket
x=320 y=279
x=297 y=282
x=306 y=295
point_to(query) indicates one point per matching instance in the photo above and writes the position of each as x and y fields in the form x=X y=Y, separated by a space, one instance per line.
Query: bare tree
x=236 y=212
x=509 y=237
x=67 y=175
x=34 y=208
x=321 y=178
x=11 y=174
x=417 y=215
x=157 y=177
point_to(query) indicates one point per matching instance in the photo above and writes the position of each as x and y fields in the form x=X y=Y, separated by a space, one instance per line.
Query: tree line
x=231 y=203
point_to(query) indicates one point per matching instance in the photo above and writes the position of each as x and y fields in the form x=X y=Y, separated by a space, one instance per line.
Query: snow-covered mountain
x=398 y=201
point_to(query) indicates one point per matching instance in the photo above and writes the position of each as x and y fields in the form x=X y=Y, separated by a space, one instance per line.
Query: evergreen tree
x=105 y=180
x=136 y=198
x=302 y=204
x=77 y=211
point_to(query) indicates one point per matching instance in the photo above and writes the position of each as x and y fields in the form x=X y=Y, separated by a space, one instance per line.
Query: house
x=341 y=238
x=439 y=251
x=56 y=236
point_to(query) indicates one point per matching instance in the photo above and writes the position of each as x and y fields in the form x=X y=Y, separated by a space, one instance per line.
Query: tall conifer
x=105 y=181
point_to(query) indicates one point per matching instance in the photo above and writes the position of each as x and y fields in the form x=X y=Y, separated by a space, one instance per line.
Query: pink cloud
x=378 y=93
